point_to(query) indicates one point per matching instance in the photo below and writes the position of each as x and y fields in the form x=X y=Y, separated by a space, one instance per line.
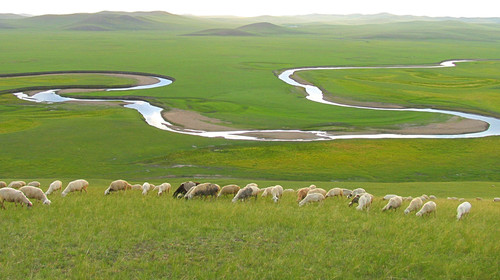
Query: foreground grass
x=127 y=235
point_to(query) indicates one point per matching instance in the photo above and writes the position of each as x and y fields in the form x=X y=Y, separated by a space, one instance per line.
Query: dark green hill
x=220 y=32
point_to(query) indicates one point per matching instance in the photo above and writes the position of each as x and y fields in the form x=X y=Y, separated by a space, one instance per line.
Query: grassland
x=128 y=235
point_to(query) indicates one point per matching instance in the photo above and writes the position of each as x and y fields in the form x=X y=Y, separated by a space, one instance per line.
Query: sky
x=247 y=8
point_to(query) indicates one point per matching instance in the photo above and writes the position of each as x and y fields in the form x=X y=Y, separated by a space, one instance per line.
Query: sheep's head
x=29 y=204
x=47 y=202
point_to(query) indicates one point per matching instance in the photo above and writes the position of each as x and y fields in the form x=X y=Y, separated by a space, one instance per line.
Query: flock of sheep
x=20 y=192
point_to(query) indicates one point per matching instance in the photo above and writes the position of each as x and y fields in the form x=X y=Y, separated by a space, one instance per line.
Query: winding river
x=152 y=114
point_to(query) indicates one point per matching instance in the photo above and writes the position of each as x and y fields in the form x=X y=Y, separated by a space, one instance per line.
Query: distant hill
x=220 y=32
x=253 y=29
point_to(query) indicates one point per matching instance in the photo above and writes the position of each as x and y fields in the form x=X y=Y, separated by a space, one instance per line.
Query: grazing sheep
x=408 y=198
x=288 y=191
x=13 y=195
x=204 y=190
x=365 y=201
x=117 y=185
x=165 y=187
x=356 y=192
x=3 y=184
x=255 y=189
x=452 y=198
x=34 y=184
x=184 y=188
x=389 y=196
x=229 y=189
x=16 y=184
x=463 y=209
x=266 y=191
x=137 y=187
x=35 y=193
x=317 y=190
x=146 y=187
x=277 y=192
x=496 y=199
x=335 y=192
x=312 y=197
x=243 y=194
x=428 y=208
x=461 y=199
x=302 y=193
x=54 y=186
x=347 y=192
x=424 y=197
x=415 y=204
x=432 y=197
x=76 y=185
x=394 y=203
x=355 y=199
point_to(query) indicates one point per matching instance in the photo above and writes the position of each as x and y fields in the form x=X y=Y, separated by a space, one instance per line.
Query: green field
x=233 y=78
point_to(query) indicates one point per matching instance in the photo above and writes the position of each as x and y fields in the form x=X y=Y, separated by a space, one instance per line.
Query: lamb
x=394 y=203
x=146 y=187
x=3 y=184
x=229 y=189
x=334 y=192
x=317 y=190
x=35 y=193
x=266 y=191
x=389 y=196
x=16 y=184
x=429 y=207
x=76 y=185
x=117 y=185
x=54 y=186
x=34 y=184
x=277 y=192
x=311 y=197
x=165 y=187
x=463 y=209
x=347 y=192
x=13 y=195
x=415 y=204
x=365 y=201
x=302 y=193
x=243 y=194
x=356 y=192
x=496 y=199
x=205 y=189
x=184 y=188
x=137 y=187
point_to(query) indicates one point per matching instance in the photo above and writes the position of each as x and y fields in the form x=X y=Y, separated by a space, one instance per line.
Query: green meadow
x=233 y=78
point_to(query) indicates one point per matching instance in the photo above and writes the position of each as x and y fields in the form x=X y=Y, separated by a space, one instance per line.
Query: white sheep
x=146 y=187
x=163 y=188
x=3 y=184
x=311 y=197
x=13 y=195
x=35 y=193
x=76 y=185
x=266 y=191
x=317 y=190
x=34 y=184
x=302 y=192
x=389 y=196
x=394 y=203
x=137 y=187
x=204 y=190
x=452 y=198
x=415 y=204
x=54 y=186
x=229 y=189
x=243 y=194
x=424 y=197
x=288 y=191
x=463 y=209
x=117 y=185
x=335 y=192
x=408 y=198
x=356 y=192
x=16 y=184
x=365 y=201
x=496 y=199
x=277 y=192
x=347 y=192
x=429 y=207
x=432 y=197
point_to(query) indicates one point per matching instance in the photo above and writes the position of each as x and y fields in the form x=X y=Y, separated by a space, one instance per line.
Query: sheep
x=243 y=194
x=13 y=195
x=165 y=187
x=496 y=199
x=312 y=197
x=394 y=203
x=461 y=199
x=452 y=198
x=16 y=184
x=146 y=187
x=277 y=192
x=54 y=186
x=255 y=189
x=205 y=189
x=34 y=184
x=356 y=191
x=76 y=185
x=36 y=193
x=432 y=197
x=229 y=189
x=288 y=191
x=365 y=201
x=302 y=193
x=317 y=190
x=424 y=197
x=408 y=198
x=355 y=199
x=389 y=196
x=463 y=209
x=136 y=187
x=266 y=191
x=3 y=184
x=347 y=192
x=117 y=185
x=415 y=204
x=184 y=188
x=428 y=208
x=334 y=192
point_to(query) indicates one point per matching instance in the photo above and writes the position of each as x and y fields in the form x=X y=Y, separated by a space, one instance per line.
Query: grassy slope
x=127 y=235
